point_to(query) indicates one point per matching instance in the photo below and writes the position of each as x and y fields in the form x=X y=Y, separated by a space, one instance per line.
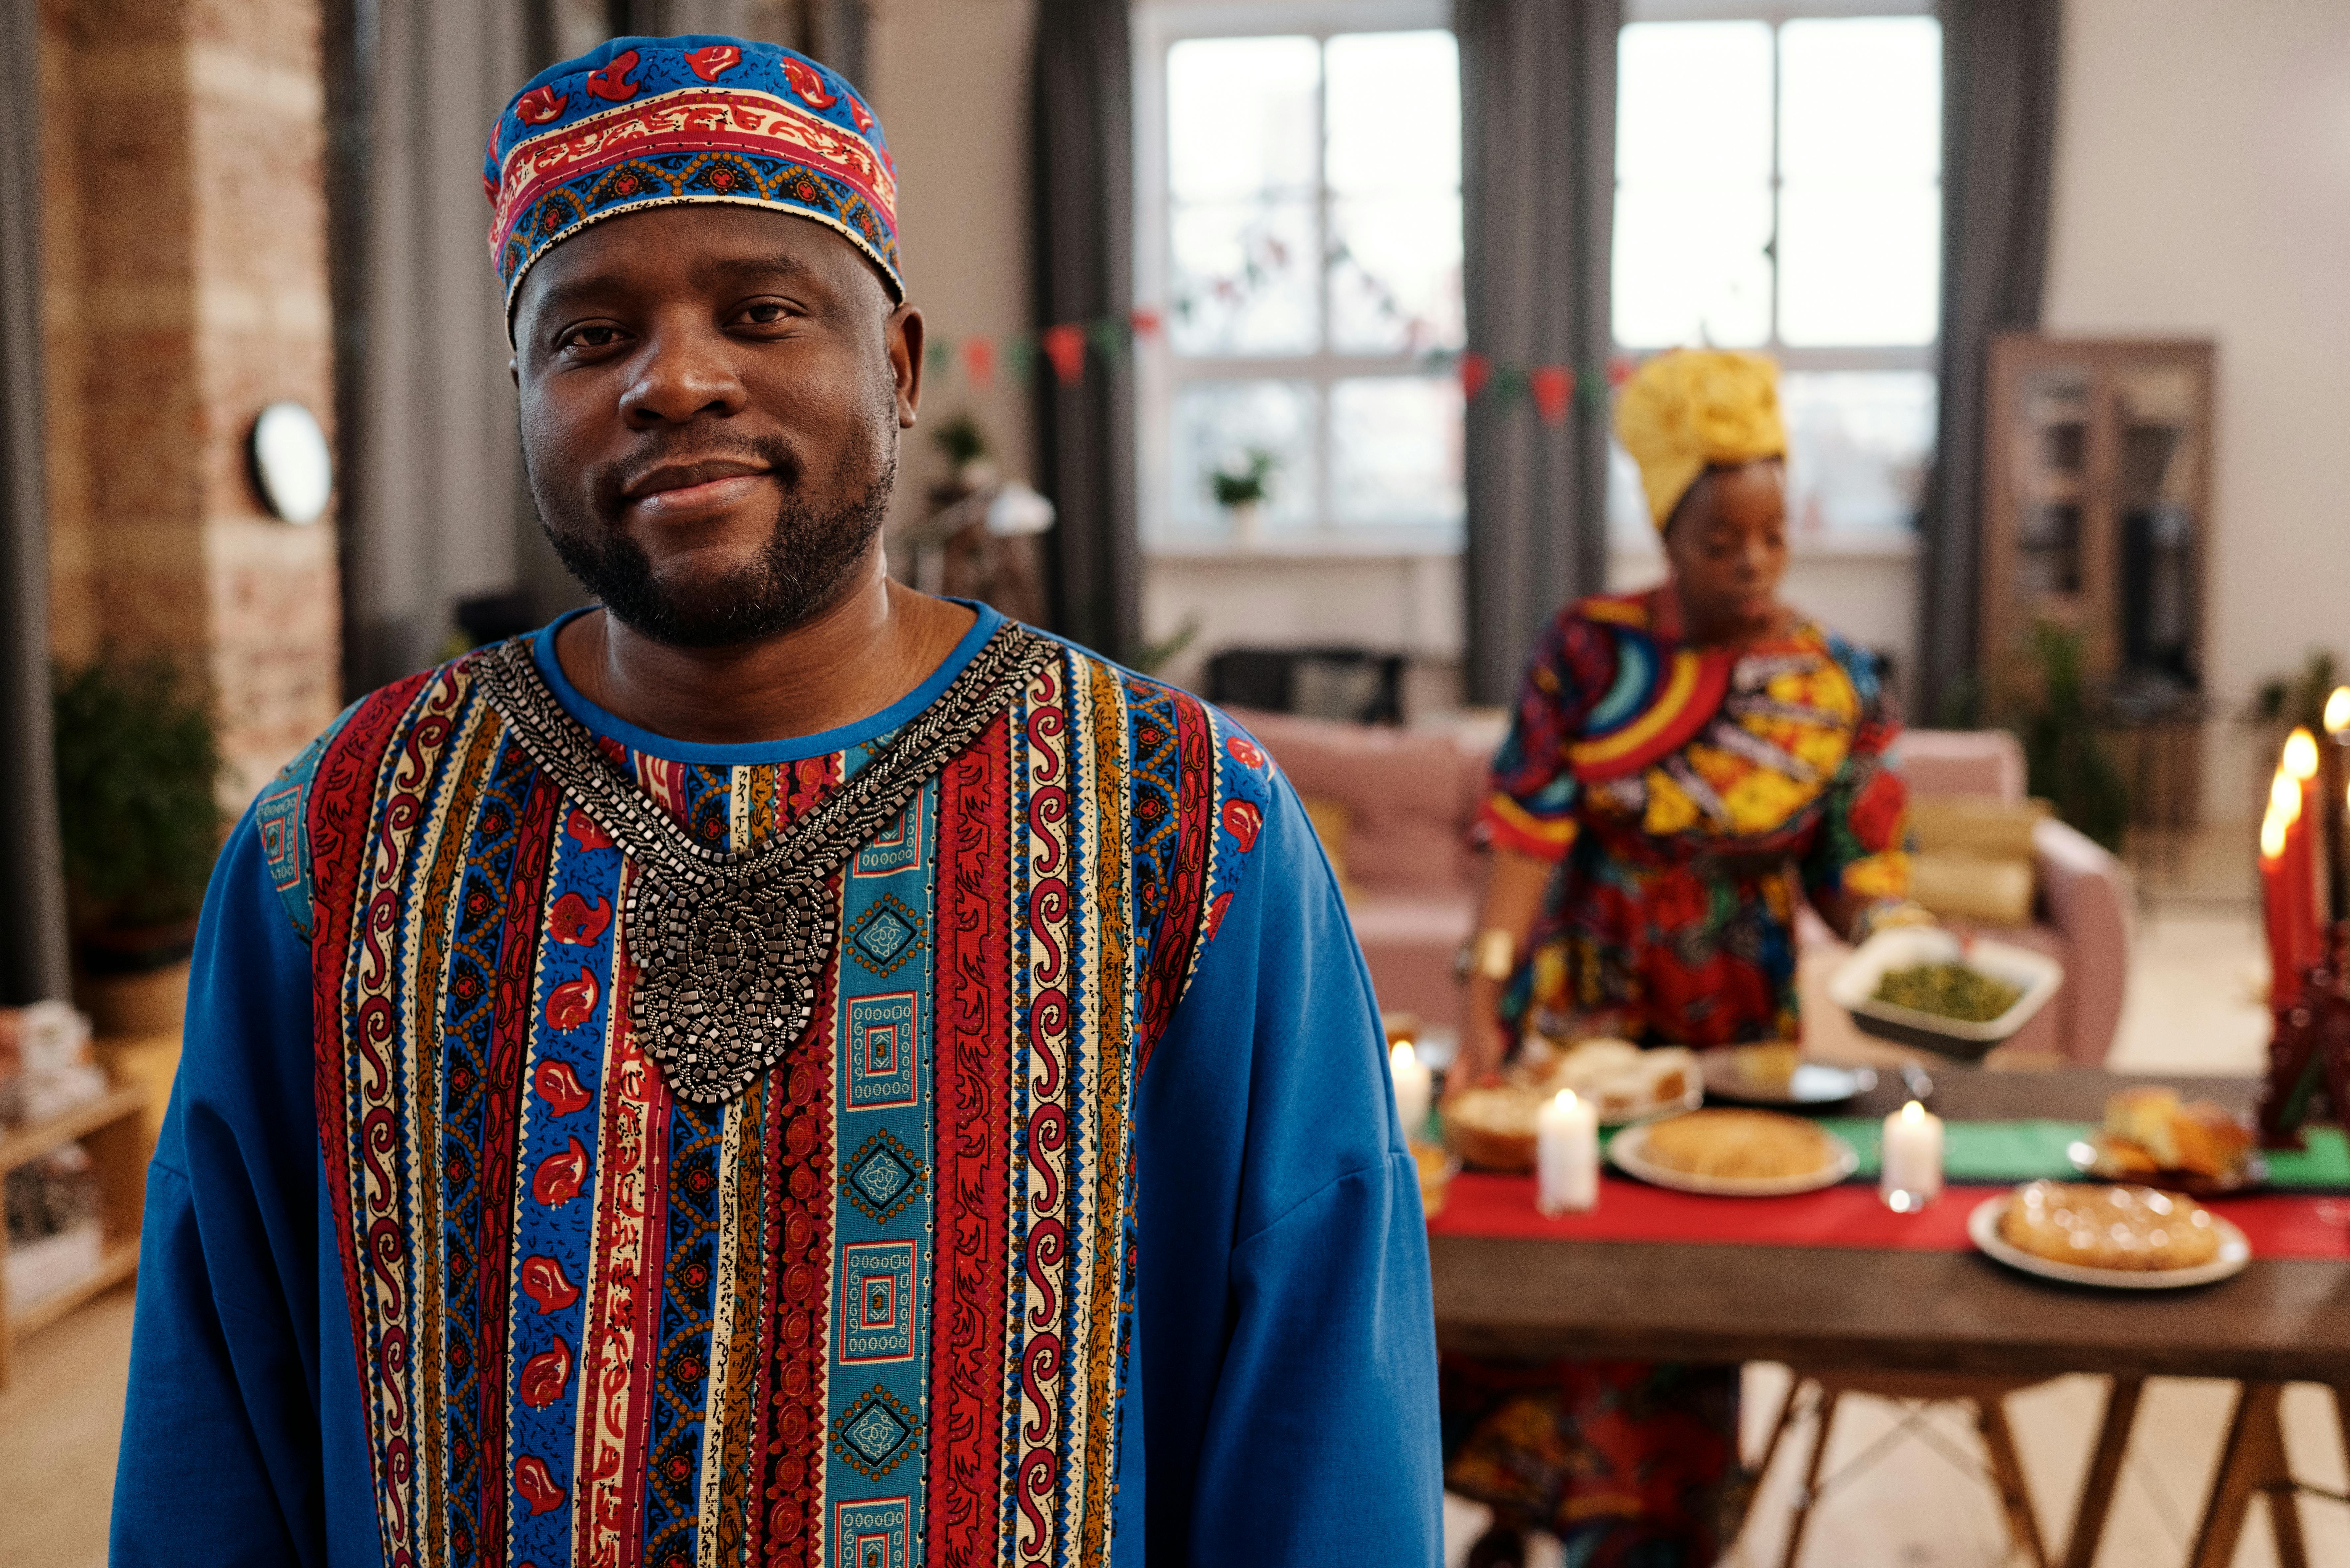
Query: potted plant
x=965 y=446
x=2065 y=761
x=1241 y=490
x=137 y=763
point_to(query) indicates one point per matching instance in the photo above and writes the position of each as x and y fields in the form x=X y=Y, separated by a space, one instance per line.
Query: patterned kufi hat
x=647 y=122
x=1695 y=409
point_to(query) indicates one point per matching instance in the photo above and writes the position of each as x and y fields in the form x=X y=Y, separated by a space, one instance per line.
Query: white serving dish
x=1627 y=1150
x=1982 y=1229
x=1854 y=988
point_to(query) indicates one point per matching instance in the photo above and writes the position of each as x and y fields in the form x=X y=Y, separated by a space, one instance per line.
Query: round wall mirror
x=292 y=464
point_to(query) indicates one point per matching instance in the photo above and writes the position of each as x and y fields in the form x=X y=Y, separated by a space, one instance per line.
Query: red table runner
x=2277 y=1225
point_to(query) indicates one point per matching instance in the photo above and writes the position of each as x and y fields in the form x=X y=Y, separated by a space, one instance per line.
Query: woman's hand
x=1483 y=1043
x=1513 y=896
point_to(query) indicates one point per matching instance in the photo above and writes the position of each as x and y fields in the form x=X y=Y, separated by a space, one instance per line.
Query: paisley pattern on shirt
x=873 y=1312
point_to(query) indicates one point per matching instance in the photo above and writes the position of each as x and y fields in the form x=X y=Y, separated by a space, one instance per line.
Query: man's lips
x=677 y=489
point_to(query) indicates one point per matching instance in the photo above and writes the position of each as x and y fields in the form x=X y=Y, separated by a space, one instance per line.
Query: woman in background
x=1684 y=764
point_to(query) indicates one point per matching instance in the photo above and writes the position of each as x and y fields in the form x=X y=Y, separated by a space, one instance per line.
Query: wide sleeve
x=1530 y=801
x=1286 y=1335
x=1861 y=849
x=220 y=1458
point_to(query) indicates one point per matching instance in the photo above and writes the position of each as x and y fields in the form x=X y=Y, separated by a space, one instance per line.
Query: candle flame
x=1913 y=1113
x=2285 y=798
x=2337 y=710
x=2272 y=835
x=1564 y=1099
x=2301 y=754
x=1401 y=1055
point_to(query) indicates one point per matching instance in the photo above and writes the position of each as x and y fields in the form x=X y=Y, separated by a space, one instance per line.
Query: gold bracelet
x=1493 y=953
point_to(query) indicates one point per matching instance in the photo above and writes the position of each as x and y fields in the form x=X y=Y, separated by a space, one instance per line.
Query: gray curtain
x=1999 y=133
x=435 y=507
x=32 y=884
x=1538 y=111
x=1083 y=143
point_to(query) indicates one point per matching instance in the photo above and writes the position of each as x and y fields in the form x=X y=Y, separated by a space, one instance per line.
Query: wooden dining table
x=1886 y=1313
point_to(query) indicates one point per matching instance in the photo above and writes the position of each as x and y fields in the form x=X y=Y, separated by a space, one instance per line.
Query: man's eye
x=766 y=312
x=592 y=338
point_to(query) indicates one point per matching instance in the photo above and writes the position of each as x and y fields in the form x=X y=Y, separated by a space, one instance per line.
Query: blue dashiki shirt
x=1075 y=1226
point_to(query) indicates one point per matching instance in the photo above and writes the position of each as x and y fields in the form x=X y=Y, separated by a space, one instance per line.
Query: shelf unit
x=112 y=1131
x=2097 y=517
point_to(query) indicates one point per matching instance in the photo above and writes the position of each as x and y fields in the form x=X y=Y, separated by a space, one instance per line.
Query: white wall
x=949 y=82
x=2203 y=188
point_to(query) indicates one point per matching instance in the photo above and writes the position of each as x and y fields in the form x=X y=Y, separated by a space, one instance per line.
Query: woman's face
x=1728 y=546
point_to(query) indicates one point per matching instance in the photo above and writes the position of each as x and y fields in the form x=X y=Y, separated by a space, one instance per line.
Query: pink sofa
x=1410 y=876
x=1411 y=881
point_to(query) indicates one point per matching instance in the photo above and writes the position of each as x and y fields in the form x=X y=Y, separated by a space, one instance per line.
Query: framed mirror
x=293 y=466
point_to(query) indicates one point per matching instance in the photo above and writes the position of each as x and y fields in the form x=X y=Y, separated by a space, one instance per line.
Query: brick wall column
x=186 y=213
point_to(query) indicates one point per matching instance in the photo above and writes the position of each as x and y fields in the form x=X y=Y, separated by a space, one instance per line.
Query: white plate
x=2035 y=976
x=1628 y=1150
x=1982 y=1229
x=1815 y=1083
x=1689 y=1099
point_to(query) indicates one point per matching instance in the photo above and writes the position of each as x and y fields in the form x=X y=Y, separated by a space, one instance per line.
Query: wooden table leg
x=2105 y=1473
x=2252 y=1461
x=1771 y=1446
x=2007 y=1472
x=1802 y=1516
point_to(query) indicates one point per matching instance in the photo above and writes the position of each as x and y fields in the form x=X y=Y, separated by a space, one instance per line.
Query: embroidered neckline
x=728 y=946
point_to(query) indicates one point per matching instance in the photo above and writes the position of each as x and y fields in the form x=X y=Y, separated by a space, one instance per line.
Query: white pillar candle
x=1566 y=1154
x=1910 y=1159
x=1411 y=1088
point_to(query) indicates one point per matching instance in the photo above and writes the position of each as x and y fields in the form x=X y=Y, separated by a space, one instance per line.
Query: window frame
x=1794 y=359
x=1160 y=371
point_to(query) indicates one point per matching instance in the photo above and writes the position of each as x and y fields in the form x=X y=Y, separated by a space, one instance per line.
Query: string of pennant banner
x=1068 y=346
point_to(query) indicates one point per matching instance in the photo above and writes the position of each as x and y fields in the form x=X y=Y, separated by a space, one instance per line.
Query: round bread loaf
x=2108 y=1227
x=1494 y=1127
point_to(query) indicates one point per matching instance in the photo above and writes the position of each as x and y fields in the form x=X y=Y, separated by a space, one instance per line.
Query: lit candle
x=2332 y=803
x=1411 y=1088
x=1566 y=1154
x=1910 y=1159
x=2288 y=888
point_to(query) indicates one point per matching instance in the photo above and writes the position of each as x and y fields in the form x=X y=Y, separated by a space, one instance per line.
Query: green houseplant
x=137 y=764
x=2065 y=762
x=1241 y=490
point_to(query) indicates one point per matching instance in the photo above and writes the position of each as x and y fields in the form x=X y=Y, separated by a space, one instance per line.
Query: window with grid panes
x=1779 y=188
x=1299 y=235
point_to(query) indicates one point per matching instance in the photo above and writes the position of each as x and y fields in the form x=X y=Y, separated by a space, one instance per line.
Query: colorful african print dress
x=1690 y=796
x=960 y=1138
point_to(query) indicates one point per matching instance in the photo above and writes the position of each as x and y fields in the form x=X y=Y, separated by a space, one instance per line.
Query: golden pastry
x=1769 y=1066
x=2109 y=1227
x=1739 y=1146
x=2148 y=1129
x=1436 y=1172
x=1493 y=1126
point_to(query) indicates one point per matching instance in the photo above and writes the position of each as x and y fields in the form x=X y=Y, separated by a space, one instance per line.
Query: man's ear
x=905 y=340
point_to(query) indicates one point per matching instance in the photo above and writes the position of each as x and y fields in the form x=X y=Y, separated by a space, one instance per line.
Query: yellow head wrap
x=1693 y=408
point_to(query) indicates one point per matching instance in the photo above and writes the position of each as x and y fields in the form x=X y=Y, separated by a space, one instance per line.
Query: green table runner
x=2000 y=1152
x=2027 y=1150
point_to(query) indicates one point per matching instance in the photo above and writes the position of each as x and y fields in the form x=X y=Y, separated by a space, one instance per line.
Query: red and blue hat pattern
x=649 y=122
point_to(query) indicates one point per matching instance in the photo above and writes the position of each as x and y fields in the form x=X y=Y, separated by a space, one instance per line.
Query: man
x=778 y=1068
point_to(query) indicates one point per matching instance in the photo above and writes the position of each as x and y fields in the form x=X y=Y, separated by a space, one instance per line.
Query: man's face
x=711 y=403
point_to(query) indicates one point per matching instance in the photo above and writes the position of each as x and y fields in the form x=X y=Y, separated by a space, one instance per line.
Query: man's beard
x=808 y=555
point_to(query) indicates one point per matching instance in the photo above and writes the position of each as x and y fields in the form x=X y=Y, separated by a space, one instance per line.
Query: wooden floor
x=2194 y=1005
x=60 y=1416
